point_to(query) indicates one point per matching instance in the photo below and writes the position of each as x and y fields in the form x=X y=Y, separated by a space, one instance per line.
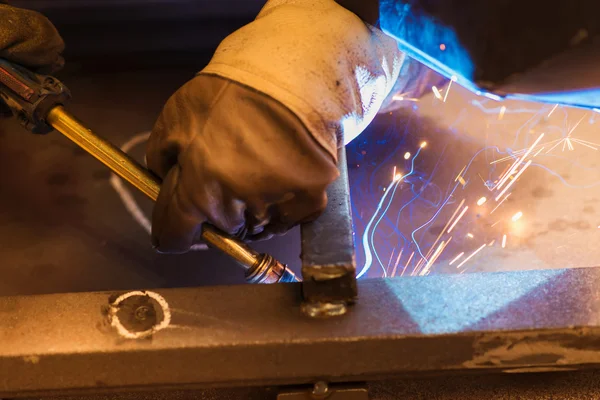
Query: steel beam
x=256 y=335
x=328 y=259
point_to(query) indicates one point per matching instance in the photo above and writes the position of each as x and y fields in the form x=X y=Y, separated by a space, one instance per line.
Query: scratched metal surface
x=256 y=335
x=63 y=228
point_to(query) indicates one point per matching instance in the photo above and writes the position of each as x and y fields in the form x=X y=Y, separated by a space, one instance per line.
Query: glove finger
x=186 y=201
x=299 y=210
x=175 y=224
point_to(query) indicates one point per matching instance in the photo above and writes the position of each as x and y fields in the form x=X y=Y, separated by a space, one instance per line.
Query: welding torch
x=38 y=101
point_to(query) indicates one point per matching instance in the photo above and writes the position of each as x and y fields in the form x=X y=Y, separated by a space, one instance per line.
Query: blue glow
x=439 y=304
x=492 y=96
x=402 y=229
x=439 y=48
x=421 y=37
x=589 y=98
x=366 y=247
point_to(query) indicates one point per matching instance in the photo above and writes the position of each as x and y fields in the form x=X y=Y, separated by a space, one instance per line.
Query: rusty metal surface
x=328 y=260
x=256 y=335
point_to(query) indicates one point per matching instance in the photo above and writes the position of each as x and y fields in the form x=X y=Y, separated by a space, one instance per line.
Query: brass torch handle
x=107 y=153
x=128 y=169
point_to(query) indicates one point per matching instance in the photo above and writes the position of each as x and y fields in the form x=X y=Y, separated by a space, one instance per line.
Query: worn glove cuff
x=318 y=59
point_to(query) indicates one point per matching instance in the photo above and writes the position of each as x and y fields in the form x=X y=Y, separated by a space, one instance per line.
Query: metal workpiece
x=255 y=335
x=328 y=259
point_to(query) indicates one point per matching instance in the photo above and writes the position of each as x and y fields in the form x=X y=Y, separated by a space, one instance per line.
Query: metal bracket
x=322 y=391
x=328 y=259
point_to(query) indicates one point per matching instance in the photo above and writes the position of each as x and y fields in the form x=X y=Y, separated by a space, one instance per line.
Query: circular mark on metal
x=127 y=197
x=139 y=315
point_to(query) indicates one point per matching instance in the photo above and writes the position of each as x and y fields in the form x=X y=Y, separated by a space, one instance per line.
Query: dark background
x=114 y=34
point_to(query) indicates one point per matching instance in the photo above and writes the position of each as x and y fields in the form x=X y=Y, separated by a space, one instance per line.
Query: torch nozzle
x=260 y=268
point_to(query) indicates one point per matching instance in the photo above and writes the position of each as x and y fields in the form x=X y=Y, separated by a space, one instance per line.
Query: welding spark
x=397 y=262
x=408 y=263
x=499 y=204
x=435 y=256
x=519 y=161
x=437 y=93
x=517 y=216
x=458 y=257
x=538 y=152
x=434 y=195
x=399 y=97
x=501 y=114
x=449 y=87
x=514 y=180
x=567 y=142
x=471 y=256
x=367 y=233
x=458 y=219
x=552 y=112
x=391 y=257
x=460 y=174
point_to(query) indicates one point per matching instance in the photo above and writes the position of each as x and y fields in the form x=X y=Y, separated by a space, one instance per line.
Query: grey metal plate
x=256 y=335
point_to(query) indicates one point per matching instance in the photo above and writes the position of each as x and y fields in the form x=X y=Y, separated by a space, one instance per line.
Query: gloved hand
x=250 y=144
x=28 y=38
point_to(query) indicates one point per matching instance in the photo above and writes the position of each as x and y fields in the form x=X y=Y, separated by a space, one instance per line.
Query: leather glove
x=28 y=38
x=250 y=144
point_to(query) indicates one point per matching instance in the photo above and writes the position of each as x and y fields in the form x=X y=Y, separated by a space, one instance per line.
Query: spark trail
x=379 y=214
x=479 y=209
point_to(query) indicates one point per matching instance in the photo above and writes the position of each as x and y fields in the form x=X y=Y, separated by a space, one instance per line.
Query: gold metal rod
x=107 y=153
x=243 y=254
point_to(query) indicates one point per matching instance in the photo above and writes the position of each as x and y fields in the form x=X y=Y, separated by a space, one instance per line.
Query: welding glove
x=250 y=144
x=28 y=38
